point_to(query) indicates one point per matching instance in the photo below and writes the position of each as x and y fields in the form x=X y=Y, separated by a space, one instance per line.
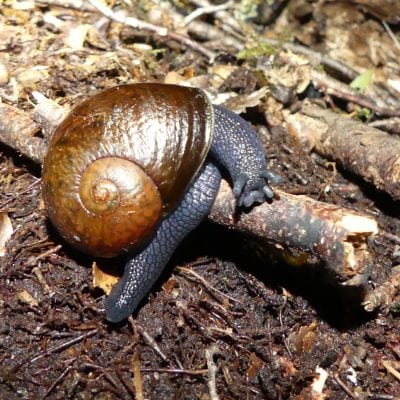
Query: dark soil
x=269 y=323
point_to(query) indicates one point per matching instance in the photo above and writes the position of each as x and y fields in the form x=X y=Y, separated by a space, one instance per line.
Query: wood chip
x=6 y=230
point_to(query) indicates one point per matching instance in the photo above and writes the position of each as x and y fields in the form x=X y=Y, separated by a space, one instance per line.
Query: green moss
x=263 y=49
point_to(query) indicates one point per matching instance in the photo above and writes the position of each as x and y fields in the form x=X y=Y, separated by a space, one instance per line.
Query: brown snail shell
x=121 y=160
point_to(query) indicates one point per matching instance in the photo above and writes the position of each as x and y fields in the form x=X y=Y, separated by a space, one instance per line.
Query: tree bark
x=365 y=151
x=337 y=236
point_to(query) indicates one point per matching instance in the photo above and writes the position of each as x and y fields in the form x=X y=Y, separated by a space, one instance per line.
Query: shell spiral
x=121 y=161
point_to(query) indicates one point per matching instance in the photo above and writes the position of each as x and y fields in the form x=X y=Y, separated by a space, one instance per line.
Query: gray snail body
x=133 y=169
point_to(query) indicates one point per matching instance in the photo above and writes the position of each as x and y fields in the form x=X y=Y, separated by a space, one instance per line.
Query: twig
x=341 y=90
x=48 y=252
x=337 y=236
x=344 y=386
x=64 y=345
x=105 y=372
x=227 y=18
x=136 y=364
x=382 y=296
x=18 y=131
x=381 y=396
x=26 y=190
x=191 y=319
x=137 y=375
x=365 y=151
x=110 y=379
x=57 y=381
x=317 y=57
x=41 y=279
x=152 y=343
x=390 y=368
x=158 y=30
x=176 y=371
x=206 y=284
x=130 y=21
x=212 y=370
x=126 y=385
x=391 y=34
x=210 y=9
x=47 y=113
x=389 y=124
x=211 y=33
x=74 y=4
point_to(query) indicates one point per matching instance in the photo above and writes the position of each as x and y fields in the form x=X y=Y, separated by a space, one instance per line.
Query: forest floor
x=227 y=319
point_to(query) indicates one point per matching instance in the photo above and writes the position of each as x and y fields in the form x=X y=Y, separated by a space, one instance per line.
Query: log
x=363 y=150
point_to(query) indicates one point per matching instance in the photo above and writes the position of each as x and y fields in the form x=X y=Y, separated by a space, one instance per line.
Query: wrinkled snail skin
x=133 y=169
x=237 y=148
x=144 y=268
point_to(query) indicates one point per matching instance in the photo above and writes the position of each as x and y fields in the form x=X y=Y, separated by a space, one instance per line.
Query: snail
x=134 y=168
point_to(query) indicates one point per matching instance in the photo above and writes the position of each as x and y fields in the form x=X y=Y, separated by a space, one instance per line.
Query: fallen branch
x=391 y=125
x=154 y=29
x=17 y=130
x=343 y=91
x=335 y=235
x=365 y=151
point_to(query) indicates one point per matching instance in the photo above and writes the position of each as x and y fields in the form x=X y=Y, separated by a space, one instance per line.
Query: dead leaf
x=243 y=101
x=6 y=230
x=76 y=36
x=102 y=279
x=25 y=297
x=169 y=285
x=255 y=364
x=305 y=338
x=287 y=366
x=318 y=383
x=23 y=5
x=31 y=76
x=4 y=76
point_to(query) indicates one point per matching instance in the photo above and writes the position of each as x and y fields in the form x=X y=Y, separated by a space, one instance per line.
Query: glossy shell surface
x=162 y=132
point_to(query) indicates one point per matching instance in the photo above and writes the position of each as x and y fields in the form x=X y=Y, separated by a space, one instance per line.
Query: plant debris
x=236 y=315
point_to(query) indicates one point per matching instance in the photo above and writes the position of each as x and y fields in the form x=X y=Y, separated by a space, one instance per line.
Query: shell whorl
x=121 y=206
x=121 y=161
x=116 y=206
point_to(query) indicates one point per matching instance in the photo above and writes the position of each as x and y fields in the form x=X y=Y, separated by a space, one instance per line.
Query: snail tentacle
x=238 y=149
x=144 y=268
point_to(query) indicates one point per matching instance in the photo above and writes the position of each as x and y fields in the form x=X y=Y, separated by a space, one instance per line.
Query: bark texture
x=365 y=151
x=335 y=235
